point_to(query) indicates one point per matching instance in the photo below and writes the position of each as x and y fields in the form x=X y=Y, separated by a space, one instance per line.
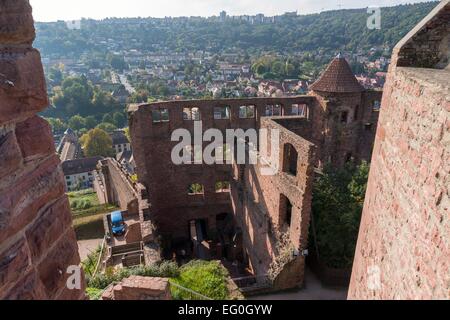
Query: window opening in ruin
x=222 y=113
x=247 y=112
x=288 y=213
x=195 y=189
x=376 y=106
x=191 y=113
x=273 y=110
x=285 y=211
x=348 y=157
x=198 y=230
x=298 y=110
x=222 y=186
x=160 y=115
x=290 y=159
x=355 y=115
x=344 y=117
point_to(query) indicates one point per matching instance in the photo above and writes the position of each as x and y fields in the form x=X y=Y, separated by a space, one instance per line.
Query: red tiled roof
x=338 y=77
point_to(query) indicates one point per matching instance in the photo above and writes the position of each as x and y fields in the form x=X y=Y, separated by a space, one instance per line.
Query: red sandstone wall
x=257 y=206
x=37 y=242
x=403 y=245
x=405 y=225
x=116 y=186
x=171 y=206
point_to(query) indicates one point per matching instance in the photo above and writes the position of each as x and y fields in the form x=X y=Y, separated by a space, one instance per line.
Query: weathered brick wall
x=171 y=206
x=37 y=242
x=139 y=288
x=428 y=45
x=338 y=141
x=403 y=245
x=115 y=186
x=259 y=212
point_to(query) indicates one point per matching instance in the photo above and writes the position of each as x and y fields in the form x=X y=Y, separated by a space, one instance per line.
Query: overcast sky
x=52 y=10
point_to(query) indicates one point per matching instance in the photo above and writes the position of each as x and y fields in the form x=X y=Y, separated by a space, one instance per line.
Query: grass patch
x=102 y=208
x=85 y=203
x=90 y=227
x=208 y=278
x=94 y=293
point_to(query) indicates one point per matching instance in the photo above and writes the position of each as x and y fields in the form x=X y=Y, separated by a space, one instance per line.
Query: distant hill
x=327 y=31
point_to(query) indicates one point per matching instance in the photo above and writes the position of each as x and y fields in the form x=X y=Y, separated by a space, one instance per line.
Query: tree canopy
x=97 y=142
x=338 y=200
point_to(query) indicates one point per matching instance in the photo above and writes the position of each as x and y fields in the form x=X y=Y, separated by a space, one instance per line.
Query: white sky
x=52 y=10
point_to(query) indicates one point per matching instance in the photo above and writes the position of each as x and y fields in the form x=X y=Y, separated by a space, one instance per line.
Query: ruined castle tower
x=403 y=244
x=347 y=117
x=37 y=242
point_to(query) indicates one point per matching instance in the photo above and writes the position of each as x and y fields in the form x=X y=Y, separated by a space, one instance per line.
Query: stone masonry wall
x=37 y=242
x=171 y=206
x=115 y=186
x=403 y=245
x=260 y=213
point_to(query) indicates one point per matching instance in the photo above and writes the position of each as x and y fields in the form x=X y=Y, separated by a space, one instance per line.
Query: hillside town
x=225 y=157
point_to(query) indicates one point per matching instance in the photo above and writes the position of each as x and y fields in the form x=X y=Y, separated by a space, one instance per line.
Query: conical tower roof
x=337 y=78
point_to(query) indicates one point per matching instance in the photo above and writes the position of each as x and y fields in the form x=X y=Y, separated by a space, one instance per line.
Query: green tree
x=77 y=123
x=90 y=122
x=74 y=97
x=108 y=118
x=117 y=62
x=338 y=200
x=97 y=142
x=106 y=126
x=119 y=119
x=55 y=76
x=127 y=133
x=58 y=126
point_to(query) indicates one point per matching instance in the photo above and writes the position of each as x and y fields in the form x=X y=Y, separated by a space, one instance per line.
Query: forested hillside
x=329 y=31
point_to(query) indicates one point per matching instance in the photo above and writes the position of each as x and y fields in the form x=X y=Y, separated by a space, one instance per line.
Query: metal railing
x=100 y=256
x=182 y=293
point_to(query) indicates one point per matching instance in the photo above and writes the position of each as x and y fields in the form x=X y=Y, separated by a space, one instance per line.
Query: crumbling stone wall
x=139 y=288
x=114 y=185
x=37 y=242
x=403 y=245
x=260 y=212
x=338 y=140
x=171 y=207
x=167 y=184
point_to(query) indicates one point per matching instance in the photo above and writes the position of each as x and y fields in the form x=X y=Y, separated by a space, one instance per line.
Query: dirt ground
x=85 y=247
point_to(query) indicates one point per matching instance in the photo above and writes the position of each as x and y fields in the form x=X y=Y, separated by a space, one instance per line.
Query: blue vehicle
x=118 y=224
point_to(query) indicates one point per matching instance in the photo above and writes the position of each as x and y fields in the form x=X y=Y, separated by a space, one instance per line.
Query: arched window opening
x=290 y=159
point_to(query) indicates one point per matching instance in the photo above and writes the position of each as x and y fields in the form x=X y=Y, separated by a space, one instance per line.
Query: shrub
x=208 y=278
x=81 y=204
x=338 y=200
x=166 y=269
x=94 y=293
x=90 y=263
